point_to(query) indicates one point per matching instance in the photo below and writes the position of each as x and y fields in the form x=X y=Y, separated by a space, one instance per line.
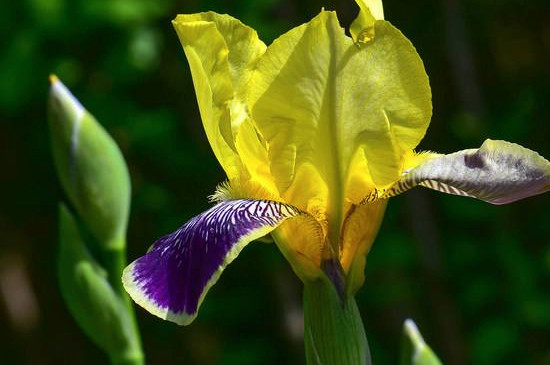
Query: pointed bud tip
x=411 y=330
x=409 y=324
x=53 y=79
x=62 y=94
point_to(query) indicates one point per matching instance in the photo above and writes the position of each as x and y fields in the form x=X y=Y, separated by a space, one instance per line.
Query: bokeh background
x=475 y=277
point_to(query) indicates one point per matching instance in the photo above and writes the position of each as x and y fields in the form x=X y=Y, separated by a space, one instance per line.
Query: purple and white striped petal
x=171 y=280
x=498 y=172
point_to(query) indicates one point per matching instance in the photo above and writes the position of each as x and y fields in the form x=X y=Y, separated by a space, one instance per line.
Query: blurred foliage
x=475 y=277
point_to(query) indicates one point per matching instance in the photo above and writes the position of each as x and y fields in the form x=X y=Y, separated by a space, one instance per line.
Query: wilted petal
x=498 y=172
x=171 y=280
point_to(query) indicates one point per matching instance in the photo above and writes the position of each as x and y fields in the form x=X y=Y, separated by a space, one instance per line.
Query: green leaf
x=90 y=166
x=414 y=350
x=102 y=314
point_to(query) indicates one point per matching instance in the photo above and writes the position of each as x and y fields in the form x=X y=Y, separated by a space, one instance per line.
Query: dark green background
x=475 y=277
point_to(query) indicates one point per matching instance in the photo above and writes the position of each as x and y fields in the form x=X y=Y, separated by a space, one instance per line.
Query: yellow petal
x=388 y=107
x=359 y=181
x=375 y=6
x=301 y=243
x=362 y=28
x=311 y=194
x=295 y=105
x=317 y=98
x=358 y=233
x=255 y=180
x=222 y=53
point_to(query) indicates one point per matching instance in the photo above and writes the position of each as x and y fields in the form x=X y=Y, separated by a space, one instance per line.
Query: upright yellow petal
x=388 y=101
x=294 y=104
x=222 y=53
x=375 y=6
x=317 y=98
x=362 y=28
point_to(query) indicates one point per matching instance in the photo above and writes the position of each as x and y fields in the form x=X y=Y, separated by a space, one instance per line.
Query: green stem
x=333 y=329
x=133 y=358
x=114 y=262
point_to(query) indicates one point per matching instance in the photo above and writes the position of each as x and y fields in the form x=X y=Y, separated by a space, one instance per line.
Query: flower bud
x=90 y=166
x=99 y=311
x=414 y=350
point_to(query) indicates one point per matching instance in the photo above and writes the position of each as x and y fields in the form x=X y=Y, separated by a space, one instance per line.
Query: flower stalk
x=333 y=329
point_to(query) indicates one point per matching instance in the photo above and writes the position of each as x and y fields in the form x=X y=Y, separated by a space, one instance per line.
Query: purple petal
x=171 y=280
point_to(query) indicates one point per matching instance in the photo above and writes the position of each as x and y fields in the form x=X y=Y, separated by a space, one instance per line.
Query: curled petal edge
x=172 y=279
x=498 y=172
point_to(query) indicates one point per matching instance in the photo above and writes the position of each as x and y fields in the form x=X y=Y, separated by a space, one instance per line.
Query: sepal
x=171 y=280
x=498 y=172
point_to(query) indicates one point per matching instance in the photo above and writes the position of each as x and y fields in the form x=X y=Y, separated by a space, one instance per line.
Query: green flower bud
x=90 y=166
x=99 y=311
x=415 y=351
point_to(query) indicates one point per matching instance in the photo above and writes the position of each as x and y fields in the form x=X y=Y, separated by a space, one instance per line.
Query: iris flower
x=315 y=132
